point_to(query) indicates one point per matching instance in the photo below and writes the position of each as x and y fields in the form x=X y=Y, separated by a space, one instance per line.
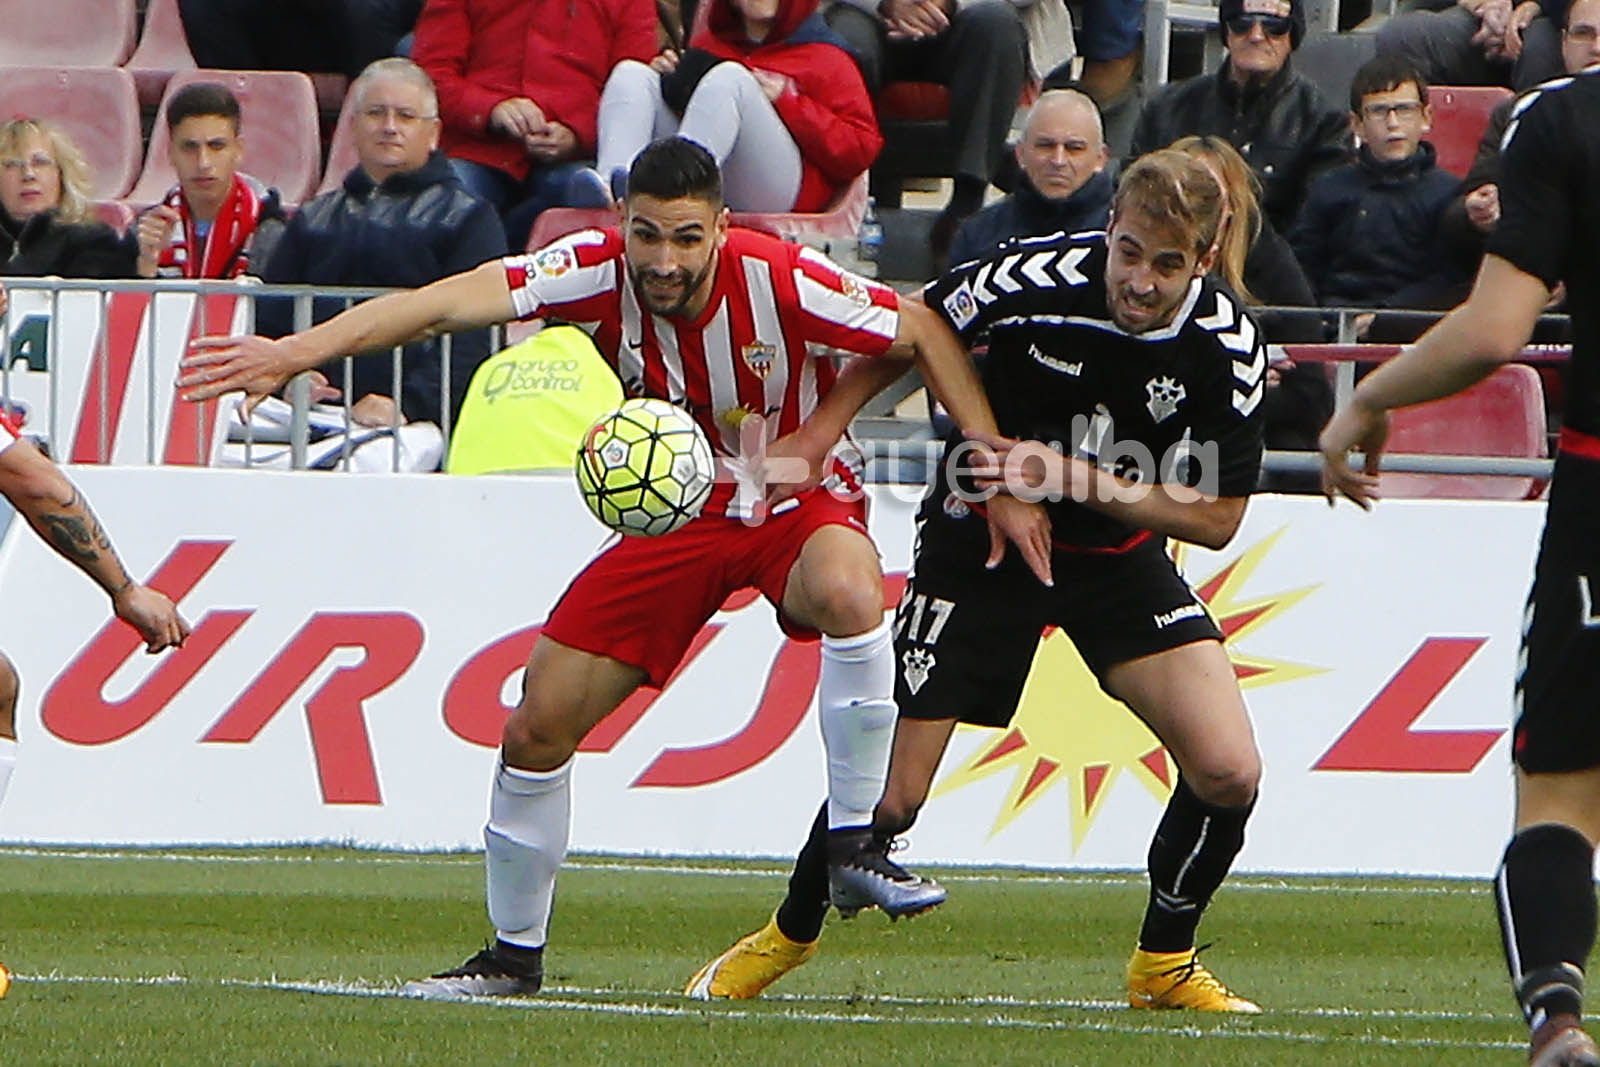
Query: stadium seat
x=96 y=107
x=1460 y=113
x=163 y=51
x=1503 y=415
x=914 y=118
x=341 y=149
x=68 y=33
x=280 y=125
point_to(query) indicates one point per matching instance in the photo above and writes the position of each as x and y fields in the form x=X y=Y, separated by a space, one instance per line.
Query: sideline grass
x=294 y=956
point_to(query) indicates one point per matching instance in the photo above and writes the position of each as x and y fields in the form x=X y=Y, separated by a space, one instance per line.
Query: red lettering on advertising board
x=112 y=365
x=75 y=708
x=334 y=713
x=1381 y=738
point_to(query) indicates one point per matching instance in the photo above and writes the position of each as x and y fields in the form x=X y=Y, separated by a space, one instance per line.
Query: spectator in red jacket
x=768 y=89
x=519 y=86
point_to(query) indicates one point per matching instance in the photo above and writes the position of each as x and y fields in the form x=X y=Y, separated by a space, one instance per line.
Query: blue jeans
x=518 y=203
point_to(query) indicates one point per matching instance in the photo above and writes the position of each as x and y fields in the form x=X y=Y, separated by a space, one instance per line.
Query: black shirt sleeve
x=1233 y=418
x=1026 y=277
x=1537 y=193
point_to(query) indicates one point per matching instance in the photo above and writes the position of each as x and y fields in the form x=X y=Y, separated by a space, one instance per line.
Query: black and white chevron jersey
x=1550 y=217
x=1181 y=404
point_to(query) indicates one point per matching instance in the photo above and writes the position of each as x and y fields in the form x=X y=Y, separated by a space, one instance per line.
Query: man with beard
x=1147 y=375
x=724 y=323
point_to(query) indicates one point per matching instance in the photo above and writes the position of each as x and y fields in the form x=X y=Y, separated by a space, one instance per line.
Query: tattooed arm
x=61 y=515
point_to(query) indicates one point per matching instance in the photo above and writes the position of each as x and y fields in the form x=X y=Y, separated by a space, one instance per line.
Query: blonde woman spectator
x=46 y=224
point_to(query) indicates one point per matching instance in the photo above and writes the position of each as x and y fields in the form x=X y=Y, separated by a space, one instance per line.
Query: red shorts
x=642 y=600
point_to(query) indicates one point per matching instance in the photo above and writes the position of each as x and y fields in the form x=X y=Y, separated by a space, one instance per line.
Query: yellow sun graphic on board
x=1067 y=730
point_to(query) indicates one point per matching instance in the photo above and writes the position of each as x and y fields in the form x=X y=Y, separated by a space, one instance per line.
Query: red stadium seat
x=1503 y=415
x=68 y=33
x=95 y=106
x=279 y=122
x=163 y=51
x=1460 y=113
x=342 y=149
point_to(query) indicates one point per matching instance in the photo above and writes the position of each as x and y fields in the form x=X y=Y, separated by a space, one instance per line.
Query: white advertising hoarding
x=358 y=642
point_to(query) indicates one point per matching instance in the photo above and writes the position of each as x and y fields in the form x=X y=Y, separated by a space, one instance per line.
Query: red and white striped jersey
x=774 y=308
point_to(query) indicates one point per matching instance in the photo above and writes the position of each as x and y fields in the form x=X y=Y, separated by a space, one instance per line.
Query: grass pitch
x=295 y=956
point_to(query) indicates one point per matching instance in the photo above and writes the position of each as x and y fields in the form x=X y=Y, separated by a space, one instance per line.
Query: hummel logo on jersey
x=915 y=665
x=1165 y=396
x=1074 y=369
x=1167 y=618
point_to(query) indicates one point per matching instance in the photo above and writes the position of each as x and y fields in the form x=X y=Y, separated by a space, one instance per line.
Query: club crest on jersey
x=1165 y=396
x=914 y=667
x=855 y=289
x=961 y=306
x=759 y=357
x=554 y=262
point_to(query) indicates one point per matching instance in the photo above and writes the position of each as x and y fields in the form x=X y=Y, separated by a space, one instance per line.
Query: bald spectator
x=1278 y=120
x=1063 y=184
x=400 y=219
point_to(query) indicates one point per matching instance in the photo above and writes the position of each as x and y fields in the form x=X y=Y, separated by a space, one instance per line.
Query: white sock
x=8 y=763
x=855 y=705
x=525 y=842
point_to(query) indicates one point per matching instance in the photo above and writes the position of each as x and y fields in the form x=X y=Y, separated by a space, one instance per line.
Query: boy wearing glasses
x=1368 y=235
x=1279 y=121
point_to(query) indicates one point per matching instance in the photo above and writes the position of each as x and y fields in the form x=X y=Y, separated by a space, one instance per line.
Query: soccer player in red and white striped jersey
x=729 y=324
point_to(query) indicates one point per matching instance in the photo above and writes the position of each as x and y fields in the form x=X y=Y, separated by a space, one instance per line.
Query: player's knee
x=10 y=685
x=845 y=603
x=536 y=742
x=1232 y=786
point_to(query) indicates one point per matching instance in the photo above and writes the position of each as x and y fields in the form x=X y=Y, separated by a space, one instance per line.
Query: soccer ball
x=646 y=468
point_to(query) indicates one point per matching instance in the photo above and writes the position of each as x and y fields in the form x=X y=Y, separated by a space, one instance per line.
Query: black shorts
x=965 y=636
x=1558 y=689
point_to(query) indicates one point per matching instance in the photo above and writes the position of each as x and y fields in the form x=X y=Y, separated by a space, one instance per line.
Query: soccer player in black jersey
x=1549 y=232
x=1118 y=349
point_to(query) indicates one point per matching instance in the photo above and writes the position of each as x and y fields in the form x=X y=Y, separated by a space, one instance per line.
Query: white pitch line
x=372 y=989
x=564 y=1001
x=1258 y=883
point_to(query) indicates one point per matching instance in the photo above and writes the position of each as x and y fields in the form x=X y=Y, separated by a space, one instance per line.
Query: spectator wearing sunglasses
x=1369 y=233
x=1279 y=121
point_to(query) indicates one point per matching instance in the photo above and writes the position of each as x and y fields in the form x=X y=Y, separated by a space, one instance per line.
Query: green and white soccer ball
x=646 y=468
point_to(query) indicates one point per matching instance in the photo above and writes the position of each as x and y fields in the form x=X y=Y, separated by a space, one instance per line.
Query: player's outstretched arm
x=948 y=370
x=258 y=366
x=859 y=381
x=1461 y=349
x=61 y=515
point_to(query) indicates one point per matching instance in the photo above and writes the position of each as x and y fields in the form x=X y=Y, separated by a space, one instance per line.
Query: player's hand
x=1025 y=525
x=1483 y=206
x=154 y=232
x=666 y=62
x=792 y=465
x=1353 y=426
x=216 y=365
x=517 y=116
x=152 y=614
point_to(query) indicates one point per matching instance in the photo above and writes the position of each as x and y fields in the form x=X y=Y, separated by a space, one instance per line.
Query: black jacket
x=44 y=245
x=1286 y=130
x=415 y=228
x=1027 y=213
x=1369 y=234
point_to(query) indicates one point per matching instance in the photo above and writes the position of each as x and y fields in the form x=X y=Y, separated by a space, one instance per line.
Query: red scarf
x=223 y=253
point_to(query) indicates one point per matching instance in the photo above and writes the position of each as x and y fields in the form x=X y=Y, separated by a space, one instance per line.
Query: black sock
x=801 y=914
x=1194 y=846
x=967 y=196
x=1544 y=892
x=520 y=958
